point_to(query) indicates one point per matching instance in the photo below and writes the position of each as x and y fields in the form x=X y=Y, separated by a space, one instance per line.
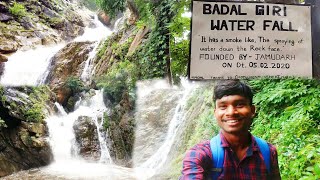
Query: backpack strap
x=265 y=151
x=217 y=157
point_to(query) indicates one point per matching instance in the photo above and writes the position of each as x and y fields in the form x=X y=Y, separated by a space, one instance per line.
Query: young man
x=242 y=158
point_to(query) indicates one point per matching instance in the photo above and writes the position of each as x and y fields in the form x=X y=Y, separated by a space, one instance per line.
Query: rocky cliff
x=23 y=132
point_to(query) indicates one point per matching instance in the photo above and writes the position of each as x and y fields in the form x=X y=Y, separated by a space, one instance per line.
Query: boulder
x=23 y=143
x=5 y=17
x=3 y=58
x=104 y=18
x=8 y=45
x=22 y=150
x=87 y=138
x=1 y=69
x=68 y=62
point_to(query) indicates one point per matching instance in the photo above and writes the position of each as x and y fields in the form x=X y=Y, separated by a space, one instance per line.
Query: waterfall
x=31 y=67
x=61 y=131
x=28 y=67
x=156 y=161
x=92 y=34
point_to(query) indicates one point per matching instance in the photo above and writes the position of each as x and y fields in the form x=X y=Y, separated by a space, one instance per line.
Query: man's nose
x=231 y=110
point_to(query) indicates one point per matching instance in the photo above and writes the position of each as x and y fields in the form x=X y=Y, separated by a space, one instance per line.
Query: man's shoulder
x=201 y=149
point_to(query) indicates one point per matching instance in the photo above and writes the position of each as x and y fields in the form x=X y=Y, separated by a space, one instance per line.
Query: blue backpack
x=218 y=154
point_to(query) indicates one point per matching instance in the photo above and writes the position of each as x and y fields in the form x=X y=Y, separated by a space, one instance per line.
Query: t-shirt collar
x=253 y=145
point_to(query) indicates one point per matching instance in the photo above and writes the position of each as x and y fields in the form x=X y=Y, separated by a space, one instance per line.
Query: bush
x=120 y=79
x=288 y=116
x=17 y=9
x=2 y=123
x=39 y=97
x=75 y=84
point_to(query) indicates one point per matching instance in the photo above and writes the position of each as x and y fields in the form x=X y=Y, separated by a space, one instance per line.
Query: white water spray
x=28 y=67
x=97 y=34
x=154 y=163
x=61 y=128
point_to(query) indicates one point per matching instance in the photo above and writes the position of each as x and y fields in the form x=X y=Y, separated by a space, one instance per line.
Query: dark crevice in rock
x=10 y=121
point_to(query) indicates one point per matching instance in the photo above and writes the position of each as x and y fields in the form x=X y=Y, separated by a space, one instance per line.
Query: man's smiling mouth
x=231 y=121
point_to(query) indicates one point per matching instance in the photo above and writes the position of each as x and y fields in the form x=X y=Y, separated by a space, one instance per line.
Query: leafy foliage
x=288 y=116
x=154 y=54
x=18 y=9
x=39 y=98
x=75 y=84
x=121 y=79
x=2 y=123
x=112 y=7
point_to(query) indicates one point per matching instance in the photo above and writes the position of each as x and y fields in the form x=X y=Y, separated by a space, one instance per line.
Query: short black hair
x=232 y=87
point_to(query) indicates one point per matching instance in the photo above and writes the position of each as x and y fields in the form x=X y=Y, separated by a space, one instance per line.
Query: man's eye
x=240 y=105
x=222 y=107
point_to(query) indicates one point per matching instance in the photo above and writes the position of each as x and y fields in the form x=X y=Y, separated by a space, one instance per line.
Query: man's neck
x=238 y=141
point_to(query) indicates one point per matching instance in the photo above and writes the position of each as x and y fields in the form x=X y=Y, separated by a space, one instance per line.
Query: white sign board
x=233 y=40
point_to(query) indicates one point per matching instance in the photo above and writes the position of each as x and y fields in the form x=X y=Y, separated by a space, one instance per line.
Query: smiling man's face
x=234 y=114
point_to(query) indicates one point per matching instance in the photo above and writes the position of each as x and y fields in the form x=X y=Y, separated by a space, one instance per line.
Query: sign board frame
x=268 y=64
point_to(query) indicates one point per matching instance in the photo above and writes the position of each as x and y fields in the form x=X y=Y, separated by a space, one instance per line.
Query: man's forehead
x=232 y=98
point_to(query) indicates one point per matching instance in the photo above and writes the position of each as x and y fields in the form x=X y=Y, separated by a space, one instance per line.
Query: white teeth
x=231 y=121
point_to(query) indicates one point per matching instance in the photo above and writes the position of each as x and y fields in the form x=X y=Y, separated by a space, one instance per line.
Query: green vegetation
x=288 y=116
x=18 y=9
x=288 y=109
x=75 y=84
x=165 y=41
x=118 y=81
x=112 y=7
x=2 y=123
x=38 y=97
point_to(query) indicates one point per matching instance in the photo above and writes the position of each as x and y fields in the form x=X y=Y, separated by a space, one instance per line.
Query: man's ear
x=253 y=110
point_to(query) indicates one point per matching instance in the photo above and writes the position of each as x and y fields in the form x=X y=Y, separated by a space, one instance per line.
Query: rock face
x=120 y=131
x=38 y=23
x=87 y=139
x=23 y=142
x=68 y=62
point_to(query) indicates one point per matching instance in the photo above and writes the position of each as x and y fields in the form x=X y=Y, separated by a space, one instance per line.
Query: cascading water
x=62 y=140
x=28 y=67
x=61 y=128
x=92 y=34
x=153 y=163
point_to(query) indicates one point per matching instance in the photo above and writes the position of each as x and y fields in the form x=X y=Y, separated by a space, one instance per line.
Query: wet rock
x=8 y=45
x=104 y=18
x=23 y=143
x=87 y=138
x=49 y=13
x=5 y=17
x=27 y=23
x=70 y=31
x=1 y=69
x=68 y=62
x=15 y=101
x=23 y=150
x=3 y=58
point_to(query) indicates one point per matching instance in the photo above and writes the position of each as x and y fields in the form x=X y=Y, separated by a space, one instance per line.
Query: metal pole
x=315 y=26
